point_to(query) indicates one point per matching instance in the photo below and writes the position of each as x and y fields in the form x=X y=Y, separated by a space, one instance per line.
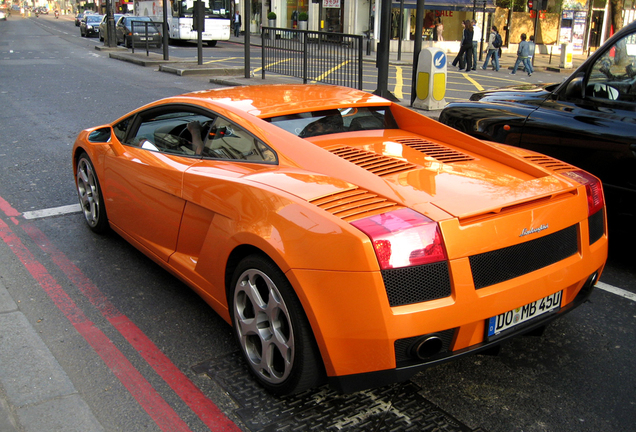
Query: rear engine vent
x=596 y=226
x=436 y=151
x=353 y=204
x=408 y=285
x=500 y=265
x=550 y=163
x=373 y=162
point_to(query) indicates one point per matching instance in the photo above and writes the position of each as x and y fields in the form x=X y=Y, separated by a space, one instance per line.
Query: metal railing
x=144 y=37
x=332 y=58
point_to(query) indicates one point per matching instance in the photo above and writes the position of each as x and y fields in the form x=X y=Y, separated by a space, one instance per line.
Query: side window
x=174 y=132
x=226 y=140
x=121 y=128
x=613 y=75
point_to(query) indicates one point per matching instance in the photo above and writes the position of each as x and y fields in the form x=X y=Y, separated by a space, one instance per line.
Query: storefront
x=442 y=21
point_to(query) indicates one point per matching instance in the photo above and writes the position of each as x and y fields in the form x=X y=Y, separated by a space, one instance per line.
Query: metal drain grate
x=393 y=408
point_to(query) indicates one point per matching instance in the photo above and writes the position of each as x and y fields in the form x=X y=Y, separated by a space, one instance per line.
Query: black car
x=589 y=120
x=89 y=25
x=140 y=29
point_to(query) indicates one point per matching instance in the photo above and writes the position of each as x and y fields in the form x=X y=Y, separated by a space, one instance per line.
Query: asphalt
x=35 y=392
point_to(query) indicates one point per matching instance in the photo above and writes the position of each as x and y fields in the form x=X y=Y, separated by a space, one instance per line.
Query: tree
x=616 y=13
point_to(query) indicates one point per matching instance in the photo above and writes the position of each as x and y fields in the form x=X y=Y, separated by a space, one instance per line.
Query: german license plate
x=504 y=321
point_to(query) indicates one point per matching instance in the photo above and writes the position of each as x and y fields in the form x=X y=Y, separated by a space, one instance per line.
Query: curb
x=35 y=392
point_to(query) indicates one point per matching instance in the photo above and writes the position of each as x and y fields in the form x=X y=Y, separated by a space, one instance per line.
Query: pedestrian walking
x=476 y=40
x=466 y=47
x=492 y=50
x=522 y=55
x=530 y=67
x=237 y=24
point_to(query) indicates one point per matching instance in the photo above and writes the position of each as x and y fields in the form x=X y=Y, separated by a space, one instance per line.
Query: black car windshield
x=315 y=123
x=93 y=18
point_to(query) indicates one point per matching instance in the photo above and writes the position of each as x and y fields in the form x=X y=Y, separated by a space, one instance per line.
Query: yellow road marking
x=270 y=64
x=333 y=69
x=221 y=60
x=475 y=83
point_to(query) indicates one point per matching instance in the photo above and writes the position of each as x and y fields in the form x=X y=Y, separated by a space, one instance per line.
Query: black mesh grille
x=417 y=284
x=404 y=356
x=596 y=224
x=504 y=264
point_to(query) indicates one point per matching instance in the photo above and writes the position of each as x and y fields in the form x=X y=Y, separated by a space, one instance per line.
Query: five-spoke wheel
x=90 y=195
x=272 y=329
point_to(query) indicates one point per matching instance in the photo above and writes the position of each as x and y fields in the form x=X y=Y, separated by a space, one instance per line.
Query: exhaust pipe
x=427 y=346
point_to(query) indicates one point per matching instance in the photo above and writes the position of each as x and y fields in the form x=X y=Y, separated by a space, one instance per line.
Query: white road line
x=56 y=211
x=618 y=291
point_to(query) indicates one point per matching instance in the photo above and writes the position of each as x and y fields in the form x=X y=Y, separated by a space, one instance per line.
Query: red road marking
x=165 y=417
x=203 y=407
x=162 y=414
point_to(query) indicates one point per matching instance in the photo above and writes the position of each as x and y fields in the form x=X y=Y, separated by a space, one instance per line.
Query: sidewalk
x=35 y=392
x=236 y=76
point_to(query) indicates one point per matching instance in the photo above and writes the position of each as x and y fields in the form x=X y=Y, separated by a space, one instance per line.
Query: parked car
x=3 y=16
x=103 y=23
x=143 y=33
x=89 y=26
x=340 y=234
x=588 y=121
x=78 y=18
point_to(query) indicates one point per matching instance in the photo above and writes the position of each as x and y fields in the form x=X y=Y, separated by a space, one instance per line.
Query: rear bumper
x=357 y=382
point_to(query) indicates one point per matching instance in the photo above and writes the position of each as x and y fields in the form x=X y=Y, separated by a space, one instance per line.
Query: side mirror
x=574 y=89
x=101 y=135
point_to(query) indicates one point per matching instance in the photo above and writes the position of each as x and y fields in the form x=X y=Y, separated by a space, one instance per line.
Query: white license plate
x=522 y=314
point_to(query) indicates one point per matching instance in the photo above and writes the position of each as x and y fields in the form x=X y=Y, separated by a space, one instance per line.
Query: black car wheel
x=271 y=328
x=90 y=195
x=127 y=42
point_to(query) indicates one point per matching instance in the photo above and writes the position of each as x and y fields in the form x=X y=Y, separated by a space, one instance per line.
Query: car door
x=144 y=178
x=120 y=29
x=591 y=122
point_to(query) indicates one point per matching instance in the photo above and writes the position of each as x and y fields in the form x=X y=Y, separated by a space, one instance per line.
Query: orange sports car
x=345 y=238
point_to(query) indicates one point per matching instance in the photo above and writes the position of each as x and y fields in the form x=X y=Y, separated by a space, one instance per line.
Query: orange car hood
x=458 y=182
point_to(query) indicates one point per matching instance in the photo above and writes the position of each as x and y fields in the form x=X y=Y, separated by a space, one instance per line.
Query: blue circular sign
x=439 y=59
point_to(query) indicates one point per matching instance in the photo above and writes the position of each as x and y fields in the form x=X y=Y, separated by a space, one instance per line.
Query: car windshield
x=316 y=123
x=93 y=18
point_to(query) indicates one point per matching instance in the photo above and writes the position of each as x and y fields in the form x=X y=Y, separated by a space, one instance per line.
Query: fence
x=332 y=58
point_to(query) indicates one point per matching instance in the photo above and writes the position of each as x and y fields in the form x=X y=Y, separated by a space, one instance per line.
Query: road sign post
x=431 y=79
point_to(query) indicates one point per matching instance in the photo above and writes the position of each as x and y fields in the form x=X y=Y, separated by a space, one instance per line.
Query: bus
x=217 y=18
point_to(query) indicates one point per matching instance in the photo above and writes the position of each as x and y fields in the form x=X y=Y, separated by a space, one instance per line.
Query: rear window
x=316 y=123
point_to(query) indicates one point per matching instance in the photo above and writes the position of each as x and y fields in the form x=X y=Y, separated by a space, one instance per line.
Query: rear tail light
x=593 y=189
x=403 y=238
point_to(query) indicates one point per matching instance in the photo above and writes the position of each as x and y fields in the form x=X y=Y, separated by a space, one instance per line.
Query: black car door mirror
x=574 y=89
x=101 y=135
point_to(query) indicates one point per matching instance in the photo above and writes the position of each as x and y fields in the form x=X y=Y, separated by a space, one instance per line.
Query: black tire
x=127 y=42
x=259 y=288
x=211 y=43
x=90 y=196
